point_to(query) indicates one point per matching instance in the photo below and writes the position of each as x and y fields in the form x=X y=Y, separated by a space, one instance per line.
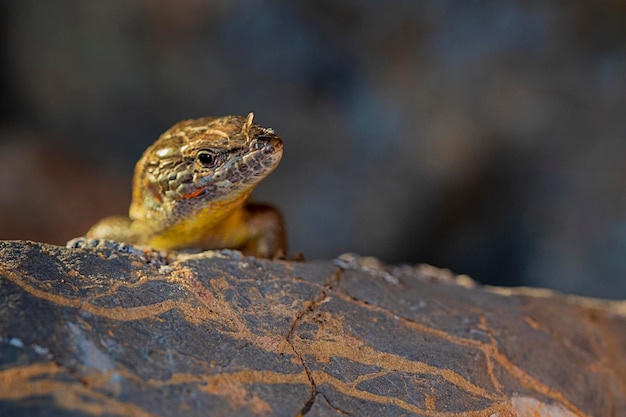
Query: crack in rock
x=309 y=307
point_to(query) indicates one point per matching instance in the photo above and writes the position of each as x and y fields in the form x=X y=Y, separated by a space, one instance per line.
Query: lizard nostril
x=267 y=143
x=261 y=142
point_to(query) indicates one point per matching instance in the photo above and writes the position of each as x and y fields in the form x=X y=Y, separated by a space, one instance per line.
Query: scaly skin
x=190 y=189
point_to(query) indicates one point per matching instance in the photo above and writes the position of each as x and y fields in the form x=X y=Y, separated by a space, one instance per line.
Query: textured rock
x=96 y=331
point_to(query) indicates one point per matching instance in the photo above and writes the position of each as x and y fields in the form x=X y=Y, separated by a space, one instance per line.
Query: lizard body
x=190 y=190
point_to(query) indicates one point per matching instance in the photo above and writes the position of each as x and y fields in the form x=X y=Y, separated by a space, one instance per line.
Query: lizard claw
x=81 y=242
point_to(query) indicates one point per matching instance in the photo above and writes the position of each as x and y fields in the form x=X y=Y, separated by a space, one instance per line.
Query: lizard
x=191 y=187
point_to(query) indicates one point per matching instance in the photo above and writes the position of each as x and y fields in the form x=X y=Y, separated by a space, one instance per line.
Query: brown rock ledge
x=95 y=331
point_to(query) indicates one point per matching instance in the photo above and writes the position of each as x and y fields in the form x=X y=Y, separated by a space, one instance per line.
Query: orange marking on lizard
x=193 y=194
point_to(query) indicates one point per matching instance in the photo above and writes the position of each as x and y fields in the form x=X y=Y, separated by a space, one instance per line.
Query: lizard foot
x=146 y=254
x=84 y=242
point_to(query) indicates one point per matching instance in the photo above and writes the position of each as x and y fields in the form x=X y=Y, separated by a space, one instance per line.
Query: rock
x=97 y=331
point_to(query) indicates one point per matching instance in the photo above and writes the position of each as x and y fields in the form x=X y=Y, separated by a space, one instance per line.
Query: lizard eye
x=208 y=158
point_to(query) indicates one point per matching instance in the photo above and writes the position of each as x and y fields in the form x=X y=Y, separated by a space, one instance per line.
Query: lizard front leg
x=116 y=228
x=266 y=232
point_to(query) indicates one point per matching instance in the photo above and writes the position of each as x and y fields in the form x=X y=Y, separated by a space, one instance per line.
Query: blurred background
x=488 y=137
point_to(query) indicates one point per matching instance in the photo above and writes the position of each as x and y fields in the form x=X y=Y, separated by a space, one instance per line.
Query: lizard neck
x=216 y=219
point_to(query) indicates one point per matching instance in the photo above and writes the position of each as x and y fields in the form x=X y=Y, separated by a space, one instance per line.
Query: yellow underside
x=219 y=225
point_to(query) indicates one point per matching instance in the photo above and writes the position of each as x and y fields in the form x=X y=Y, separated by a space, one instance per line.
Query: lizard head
x=200 y=162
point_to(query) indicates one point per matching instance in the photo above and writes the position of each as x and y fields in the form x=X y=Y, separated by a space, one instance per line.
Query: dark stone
x=95 y=331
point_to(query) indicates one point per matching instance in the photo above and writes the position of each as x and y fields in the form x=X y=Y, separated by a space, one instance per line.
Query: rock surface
x=96 y=331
